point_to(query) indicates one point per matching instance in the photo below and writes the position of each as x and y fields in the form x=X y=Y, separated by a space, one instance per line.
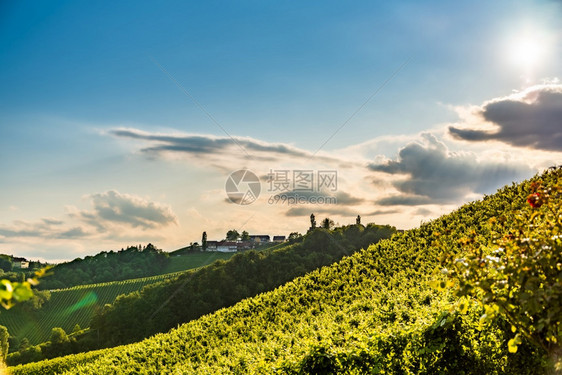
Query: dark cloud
x=404 y=200
x=532 y=119
x=76 y=232
x=203 y=145
x=50 y=221
x=20 y=232
x=109 y=208
x=423 y=212
x=45 y=228
x=330 y=210
x=382 y=212
x=115 y=207
x=346 y=198
x=435 y=175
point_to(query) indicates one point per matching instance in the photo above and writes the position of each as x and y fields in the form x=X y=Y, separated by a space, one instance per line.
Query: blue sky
x=270 y=74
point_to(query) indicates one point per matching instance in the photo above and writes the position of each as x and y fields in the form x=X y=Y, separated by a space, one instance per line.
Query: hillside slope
x=68 y=307
x=373 y=312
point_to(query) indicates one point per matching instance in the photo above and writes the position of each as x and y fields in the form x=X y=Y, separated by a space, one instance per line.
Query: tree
x=358 y=220
x=58 y=336
x=245 y=236
x=294 y=237
x=232 y=235
x=24 y=344
x=76 y=328
x=4 y=342
x=327 y=223
x=5 y=263
x=204 y=241
x=312 y=222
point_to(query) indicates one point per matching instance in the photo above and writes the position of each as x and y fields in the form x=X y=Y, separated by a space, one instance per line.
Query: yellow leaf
x=6 y=290
x=512 y=346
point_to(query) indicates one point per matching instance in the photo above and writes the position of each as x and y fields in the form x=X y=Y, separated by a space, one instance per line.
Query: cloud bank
x=532 y=119
x=114 y=207
x=204 y=146
x=113 y=214
x=430 y=174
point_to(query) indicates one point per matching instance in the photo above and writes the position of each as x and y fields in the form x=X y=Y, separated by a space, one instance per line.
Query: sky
x=127 y=123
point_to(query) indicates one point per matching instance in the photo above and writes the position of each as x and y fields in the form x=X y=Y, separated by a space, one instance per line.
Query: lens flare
x=89 y=299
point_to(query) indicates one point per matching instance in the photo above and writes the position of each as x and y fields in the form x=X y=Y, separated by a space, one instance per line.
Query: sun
x=527 y=50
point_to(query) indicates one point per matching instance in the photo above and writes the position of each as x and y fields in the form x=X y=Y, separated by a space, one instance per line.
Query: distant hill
x=372 y=312
x=76 y=305
x=162 y=306
x=68 y=307
x=167 y=303
x=124 y=264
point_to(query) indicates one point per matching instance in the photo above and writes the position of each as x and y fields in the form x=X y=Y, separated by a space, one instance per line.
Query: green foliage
x=312 y=223
x=68 y=307
x=232 y=235
x=294 y=237
x=3 y=343
x=327 y=223
x=58 y=336
x=186 y=261
x=204 y=241
x=133 y=262
x=13 y=292
x=6 y=263
x=162 y=306
x=24 y=344
x=373 y=312
x=519 y=275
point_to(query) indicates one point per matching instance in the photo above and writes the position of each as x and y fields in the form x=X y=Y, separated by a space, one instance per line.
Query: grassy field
x=76 y=305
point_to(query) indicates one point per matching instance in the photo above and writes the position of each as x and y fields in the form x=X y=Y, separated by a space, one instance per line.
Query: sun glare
x=527 y=51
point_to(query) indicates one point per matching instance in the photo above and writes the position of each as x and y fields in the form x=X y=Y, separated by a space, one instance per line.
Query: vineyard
x=194 y=260
x=375 y=311
x=68 y=307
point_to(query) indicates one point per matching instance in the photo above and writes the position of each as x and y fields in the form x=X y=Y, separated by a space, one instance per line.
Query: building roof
x=227 y=243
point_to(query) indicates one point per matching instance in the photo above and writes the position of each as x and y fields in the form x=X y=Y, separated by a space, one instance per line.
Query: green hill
x=193 y=260
x=76 y=305
x=162 y=306
x=68 y=307
x=372 y=312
